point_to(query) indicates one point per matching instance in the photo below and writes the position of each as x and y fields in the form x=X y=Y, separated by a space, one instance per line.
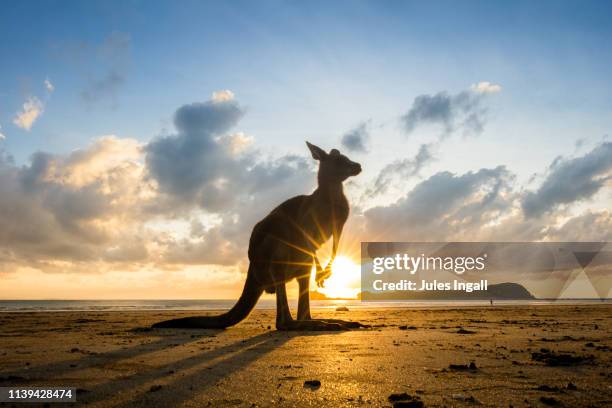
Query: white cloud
x=49 y=86
x=222 y=96
x=237 y=143
x=31 y=110
x=485 y=87
x=2 y=137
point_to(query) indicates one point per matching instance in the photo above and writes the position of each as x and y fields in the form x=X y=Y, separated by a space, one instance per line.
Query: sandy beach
x=491 y=356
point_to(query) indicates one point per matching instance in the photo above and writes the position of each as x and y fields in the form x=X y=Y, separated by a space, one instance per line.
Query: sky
x=141 y=141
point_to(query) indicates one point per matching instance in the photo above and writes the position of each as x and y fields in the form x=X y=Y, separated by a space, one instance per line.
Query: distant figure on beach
x=283 y=246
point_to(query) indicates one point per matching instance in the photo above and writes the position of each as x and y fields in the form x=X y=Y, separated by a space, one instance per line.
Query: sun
x=345 y=280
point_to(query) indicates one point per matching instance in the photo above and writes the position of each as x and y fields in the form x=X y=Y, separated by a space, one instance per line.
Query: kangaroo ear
x=317 y=152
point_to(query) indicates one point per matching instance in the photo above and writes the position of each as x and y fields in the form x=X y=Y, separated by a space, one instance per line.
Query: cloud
x=357 y=139
x=236 y=143
x=61 y=210
x=486 y=87
x=2 y=137
x=49 y=86
x=264 y=187
x=192 y=164
x=106 y=86
x=571 y=180
x=443 y=206
x=403 y=169
x=222 y=96
x=463 y=111
x=591 y=225
x=110 y=72
x=32 y=108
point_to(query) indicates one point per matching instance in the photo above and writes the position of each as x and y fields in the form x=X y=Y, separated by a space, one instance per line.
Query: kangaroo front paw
x=322 y=275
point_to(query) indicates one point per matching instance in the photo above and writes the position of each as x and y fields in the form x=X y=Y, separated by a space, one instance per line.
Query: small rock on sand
x=312 y=384
x=463 y=367
x=342 y=309
x=461 y=397
x=405 y=400
x=553 y=359
x=550 y=401
x=464 y=331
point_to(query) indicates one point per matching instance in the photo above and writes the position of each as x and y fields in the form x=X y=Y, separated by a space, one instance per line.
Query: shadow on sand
x=203 y=370
x=96 y=360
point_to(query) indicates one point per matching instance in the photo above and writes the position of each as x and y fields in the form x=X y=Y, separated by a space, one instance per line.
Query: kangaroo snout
x=355 y=169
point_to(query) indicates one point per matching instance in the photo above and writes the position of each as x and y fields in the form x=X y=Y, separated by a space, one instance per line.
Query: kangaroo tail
x=250 y=294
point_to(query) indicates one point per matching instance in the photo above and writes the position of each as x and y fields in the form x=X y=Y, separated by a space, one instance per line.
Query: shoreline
x=315 y=305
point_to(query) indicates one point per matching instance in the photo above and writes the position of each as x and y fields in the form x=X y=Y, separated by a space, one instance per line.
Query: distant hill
x=320 y=296
x=500 y=291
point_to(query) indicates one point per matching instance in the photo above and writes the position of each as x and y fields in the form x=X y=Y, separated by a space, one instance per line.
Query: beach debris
x=342 y=309
x=463 y=367
x=399 y=397
x=464 y=331
x=469 y=399
x=553 y=359
x=551 y=401
x=548 y=388
x=312 y=385
x=155 y=388
x=405 y=400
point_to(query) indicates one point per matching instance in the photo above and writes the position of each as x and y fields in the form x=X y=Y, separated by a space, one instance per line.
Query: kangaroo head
x=333 y=166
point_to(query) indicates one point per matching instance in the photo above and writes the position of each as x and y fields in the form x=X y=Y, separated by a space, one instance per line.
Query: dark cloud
x=401 y=169
x=203 y=120
x=463 y=111
x=442 y=206
x=192 y=165
x=357 y=139
x=570 y=180
x=196 y=166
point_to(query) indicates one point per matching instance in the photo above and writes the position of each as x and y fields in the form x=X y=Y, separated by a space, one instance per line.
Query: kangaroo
x=283 y=247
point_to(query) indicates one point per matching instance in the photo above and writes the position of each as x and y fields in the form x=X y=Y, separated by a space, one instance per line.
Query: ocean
x=269 y=303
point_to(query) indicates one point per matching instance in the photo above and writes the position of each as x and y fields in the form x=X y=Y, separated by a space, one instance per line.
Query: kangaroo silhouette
x=283 y=247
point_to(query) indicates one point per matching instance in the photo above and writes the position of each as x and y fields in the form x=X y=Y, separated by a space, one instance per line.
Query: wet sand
x=522 y=356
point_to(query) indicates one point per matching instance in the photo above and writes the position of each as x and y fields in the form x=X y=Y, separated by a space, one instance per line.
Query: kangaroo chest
x=322 y=217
